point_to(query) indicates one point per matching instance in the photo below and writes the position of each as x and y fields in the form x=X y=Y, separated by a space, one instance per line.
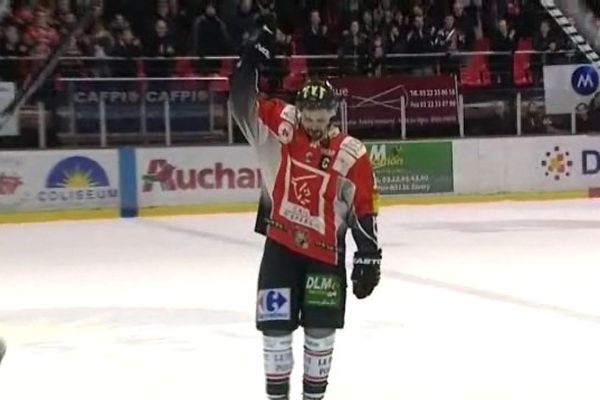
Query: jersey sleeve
x=365 y=207
x=258 y=118
x=276 y=118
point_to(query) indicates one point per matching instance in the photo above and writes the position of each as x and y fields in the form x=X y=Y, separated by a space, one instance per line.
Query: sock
x=279 y=361
x=318 y=350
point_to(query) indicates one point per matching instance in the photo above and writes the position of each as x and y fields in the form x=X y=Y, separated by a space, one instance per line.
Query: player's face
x=316 y=122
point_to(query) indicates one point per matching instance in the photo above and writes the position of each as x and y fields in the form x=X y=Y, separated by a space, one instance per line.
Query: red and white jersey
x=313 y=191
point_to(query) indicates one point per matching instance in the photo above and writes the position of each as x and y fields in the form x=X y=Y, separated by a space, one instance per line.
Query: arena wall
x=76 y=184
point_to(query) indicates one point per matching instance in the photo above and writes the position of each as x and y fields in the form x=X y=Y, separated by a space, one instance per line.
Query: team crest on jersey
x=301 y=238
x=303 y=201
x=302 y=190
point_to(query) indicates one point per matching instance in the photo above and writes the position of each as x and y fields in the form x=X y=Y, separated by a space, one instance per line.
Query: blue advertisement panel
x=126 y=102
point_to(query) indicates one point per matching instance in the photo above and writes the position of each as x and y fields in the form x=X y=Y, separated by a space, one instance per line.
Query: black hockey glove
x=366 y=273
x=260 y=49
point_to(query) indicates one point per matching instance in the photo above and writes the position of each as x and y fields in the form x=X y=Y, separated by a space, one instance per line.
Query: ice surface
x=477 y=302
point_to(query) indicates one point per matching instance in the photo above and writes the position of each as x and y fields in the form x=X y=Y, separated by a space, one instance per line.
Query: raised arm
x=243 y=93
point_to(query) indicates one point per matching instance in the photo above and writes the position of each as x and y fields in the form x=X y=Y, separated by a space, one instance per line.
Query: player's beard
x=316 y=131
x=317 y=134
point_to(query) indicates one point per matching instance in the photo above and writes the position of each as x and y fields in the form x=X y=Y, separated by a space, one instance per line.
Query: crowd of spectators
x=367 y=36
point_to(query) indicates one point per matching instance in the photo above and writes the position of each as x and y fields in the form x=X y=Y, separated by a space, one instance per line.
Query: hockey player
x=2 y=349
x=318 y=181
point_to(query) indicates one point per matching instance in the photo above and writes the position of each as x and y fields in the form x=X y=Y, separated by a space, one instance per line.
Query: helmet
x=316 y=95
x=316 y=104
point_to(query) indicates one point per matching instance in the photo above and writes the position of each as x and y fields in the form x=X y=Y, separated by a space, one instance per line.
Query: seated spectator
x=315 y=5
x=118 y=25
x=23 y=15
x=63 y=8
x=243 y=23
x=67 y=23
x=316 y=42
x=353 y=51
x=159 y=44
x=72 y=65
x=535 y=121
x=210 y=38
x=464 y=23
x=583 y=120
x=386 y=5
x=12 y=46
x=351 y=9
x=395 y=42
x=513 y=16
x=98 y=11
x=387 y=22
x=449 y=39
x=377 y=21
x=543 y=41
x=178 y=22
x=502 y=122
x=594 y=111
x=368 y=25
x=98 y=43
x=377 y=61
x=99 y=40
x=501 y=64
x=402 y=22
x=419 y=40
x=163 y=13
x=126 y=46
x=41 y=34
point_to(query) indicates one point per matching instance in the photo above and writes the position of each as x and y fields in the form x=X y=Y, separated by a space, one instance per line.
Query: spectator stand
x=376 y=38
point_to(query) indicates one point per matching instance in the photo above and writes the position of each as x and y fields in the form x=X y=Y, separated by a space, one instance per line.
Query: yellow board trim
x=227 y=208
x=51 y=216
x=482 y=198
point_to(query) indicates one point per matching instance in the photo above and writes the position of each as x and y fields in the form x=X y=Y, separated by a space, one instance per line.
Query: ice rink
x=477 y=302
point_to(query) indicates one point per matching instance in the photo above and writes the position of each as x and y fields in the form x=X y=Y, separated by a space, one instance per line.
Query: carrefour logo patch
x=273 y=304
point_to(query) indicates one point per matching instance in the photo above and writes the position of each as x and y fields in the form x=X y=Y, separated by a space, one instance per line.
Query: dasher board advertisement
x=569 y=87
x=59 y=180
x=200 y=175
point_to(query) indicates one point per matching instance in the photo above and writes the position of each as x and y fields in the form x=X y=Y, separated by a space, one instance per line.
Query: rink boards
x=81 y=184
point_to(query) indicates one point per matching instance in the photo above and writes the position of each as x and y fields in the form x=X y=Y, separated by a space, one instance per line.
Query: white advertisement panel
x=58 y=180
x=527 y=164
x=569 y=86
x=197 y=175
